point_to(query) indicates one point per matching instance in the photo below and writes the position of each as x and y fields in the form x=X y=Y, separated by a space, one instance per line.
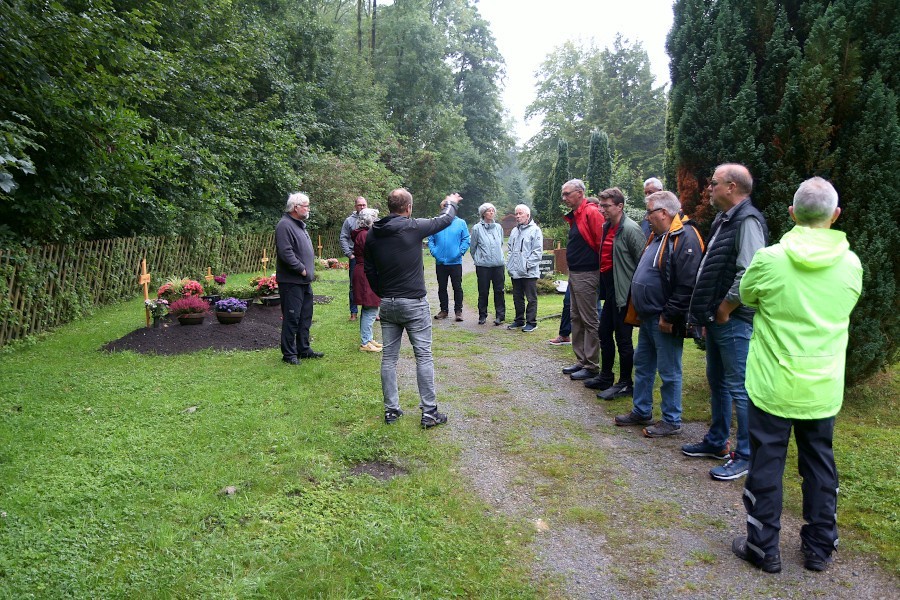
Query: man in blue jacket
x=448 y=247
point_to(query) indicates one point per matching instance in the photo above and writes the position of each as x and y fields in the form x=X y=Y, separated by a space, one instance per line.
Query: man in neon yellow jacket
x=804 y=289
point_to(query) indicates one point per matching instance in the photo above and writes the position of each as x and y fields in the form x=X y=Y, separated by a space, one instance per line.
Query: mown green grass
x=110 y=489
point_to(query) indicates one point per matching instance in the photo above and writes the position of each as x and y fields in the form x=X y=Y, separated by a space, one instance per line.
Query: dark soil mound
x=259 y=330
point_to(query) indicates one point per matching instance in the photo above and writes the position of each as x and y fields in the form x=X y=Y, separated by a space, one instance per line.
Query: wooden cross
x=265 y=261
x=209 y=276
x=144 y=280
x=320 y=246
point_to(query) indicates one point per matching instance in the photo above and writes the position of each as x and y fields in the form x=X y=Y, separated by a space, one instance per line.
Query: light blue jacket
x=526 y=246
x=449 y=245
x=487 y=244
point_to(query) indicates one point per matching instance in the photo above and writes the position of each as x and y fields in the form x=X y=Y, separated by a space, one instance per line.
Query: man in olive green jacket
x=804 y=289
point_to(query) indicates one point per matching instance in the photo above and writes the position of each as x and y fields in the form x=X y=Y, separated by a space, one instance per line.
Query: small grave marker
x=209 y=276
x=144 y=280
x=265 y=261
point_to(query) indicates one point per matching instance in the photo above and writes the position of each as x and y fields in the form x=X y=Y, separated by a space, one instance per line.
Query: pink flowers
x=267 y=286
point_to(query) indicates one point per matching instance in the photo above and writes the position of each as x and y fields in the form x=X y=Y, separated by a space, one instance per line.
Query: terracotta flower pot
x=191 y=318
x=229 y=318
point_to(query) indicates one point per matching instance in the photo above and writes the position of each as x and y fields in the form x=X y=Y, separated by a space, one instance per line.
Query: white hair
x=667 y=201
x=656 y=183
x=295 y=199
x=486 y=207
x=367 y=216
x=815 y=202
x=524 y=208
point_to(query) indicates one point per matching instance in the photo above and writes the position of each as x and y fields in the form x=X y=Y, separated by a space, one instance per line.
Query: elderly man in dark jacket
x=295 y=271
x=660 y=295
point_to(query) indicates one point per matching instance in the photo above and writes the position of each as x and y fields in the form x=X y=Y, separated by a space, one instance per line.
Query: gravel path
x=616 y=515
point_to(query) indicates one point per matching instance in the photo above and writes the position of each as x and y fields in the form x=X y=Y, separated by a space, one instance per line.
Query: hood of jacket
x=389 y=225
x=814 y=248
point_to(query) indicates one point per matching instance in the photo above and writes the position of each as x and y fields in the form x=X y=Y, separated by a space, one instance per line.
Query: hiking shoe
x=733 y=469
x=632 y=418
x=600 y=382
x=661 y=429
x=459 y=316
x=560 y=340
x=743 y=550
x=391 y=415
x=812 y=561
x=515 y=326
x=441 y=315
x=430 y=419
x=619 y=390
x=704 y=448
x=529 y=328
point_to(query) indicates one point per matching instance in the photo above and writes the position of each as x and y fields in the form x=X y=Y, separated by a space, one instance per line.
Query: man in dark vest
x=737 y=232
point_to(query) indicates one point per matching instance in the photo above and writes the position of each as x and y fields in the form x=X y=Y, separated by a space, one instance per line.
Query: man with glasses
x=350 y=223
x=583 y=258
x=620 y=251
x=295 y=271
x=737 y=232
x=660 y=295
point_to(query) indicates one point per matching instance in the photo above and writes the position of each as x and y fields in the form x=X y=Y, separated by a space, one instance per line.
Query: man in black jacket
x=295 y=271
x=395 y=270
x=660 y=294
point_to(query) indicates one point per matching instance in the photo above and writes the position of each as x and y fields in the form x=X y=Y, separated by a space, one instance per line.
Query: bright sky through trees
x=528 y=30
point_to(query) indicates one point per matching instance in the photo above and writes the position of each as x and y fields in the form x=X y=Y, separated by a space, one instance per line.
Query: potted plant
x=267 y=290
x=213 y=292
x=158 y=309
x=190 y=310
x=230 y=310
x=171 y=290
x=191 y=288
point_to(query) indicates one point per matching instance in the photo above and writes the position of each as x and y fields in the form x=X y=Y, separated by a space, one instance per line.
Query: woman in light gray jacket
x=487 y=252
x=526 y=245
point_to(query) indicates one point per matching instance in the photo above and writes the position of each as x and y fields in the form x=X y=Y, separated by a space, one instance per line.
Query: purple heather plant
x=231 y=305
x=219 y=279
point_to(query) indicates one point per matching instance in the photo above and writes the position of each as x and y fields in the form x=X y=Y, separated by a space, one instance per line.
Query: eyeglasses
x=714 y=183
x=650 y=212
x=609 y=205
x=567 y=194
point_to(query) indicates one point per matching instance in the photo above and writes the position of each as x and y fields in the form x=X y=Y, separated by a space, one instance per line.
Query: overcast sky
x=528 y=30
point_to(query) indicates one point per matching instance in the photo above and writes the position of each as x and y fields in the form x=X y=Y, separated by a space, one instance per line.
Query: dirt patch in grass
x=383 y=471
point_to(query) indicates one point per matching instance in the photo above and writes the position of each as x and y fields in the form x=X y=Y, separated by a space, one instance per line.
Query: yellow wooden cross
x=320 y=246
x=144 y=280
x=265 y=261
x=209 y=276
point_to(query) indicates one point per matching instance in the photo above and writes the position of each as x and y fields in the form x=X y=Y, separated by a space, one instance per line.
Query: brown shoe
x=441 y=315
x=459 y=316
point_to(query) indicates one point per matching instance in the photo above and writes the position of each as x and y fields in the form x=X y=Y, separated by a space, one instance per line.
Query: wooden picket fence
x=47 y=286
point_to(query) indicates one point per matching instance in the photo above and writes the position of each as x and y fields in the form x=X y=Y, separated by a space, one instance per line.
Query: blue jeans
x=413 y=315
x=565 y=320
x=658 y=351
x=366 y=320
x=727 y=346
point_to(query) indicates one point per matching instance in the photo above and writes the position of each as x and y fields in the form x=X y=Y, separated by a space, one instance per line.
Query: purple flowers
x=219 y=279
x=231 y=305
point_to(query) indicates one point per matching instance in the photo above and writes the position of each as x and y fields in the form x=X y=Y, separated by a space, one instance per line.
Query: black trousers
x=354 y=309
x=612 y=324
x=488 y=276
x=763 y=489
x=296 y=313
x=454 y=273
x=525 y=289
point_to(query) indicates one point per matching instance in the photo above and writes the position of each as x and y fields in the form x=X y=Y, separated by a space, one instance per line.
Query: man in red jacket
x=582 y=255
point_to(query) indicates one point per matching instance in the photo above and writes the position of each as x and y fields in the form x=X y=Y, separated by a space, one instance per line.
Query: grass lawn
x=111 y=487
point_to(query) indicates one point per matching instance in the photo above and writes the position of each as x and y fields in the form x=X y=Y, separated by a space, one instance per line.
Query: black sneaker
x=515 y=326
x=661 y=429
x=311 y=354
x=430 y=419
x=482 y=320
x=742 y=549
x=812 y=561
x=291 y=360
x=619 y=390
x=391 y=415
x=600 y=382
x=704 y=448
x=632 y=418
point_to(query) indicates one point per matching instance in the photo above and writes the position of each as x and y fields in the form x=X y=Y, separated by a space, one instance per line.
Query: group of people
x=774 y=320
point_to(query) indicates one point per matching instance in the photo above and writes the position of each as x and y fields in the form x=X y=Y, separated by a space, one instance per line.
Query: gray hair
x=739 y=175
x=523 y=207
x=815 y=202
x=485 y=207
x=655 y=183
x=665 y=200
x=295 y=199
x=575 y=183
x=367 y=216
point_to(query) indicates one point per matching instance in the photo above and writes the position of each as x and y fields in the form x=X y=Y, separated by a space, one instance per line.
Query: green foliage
x=794 y=91
x=600 y=164
x=559 y=176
